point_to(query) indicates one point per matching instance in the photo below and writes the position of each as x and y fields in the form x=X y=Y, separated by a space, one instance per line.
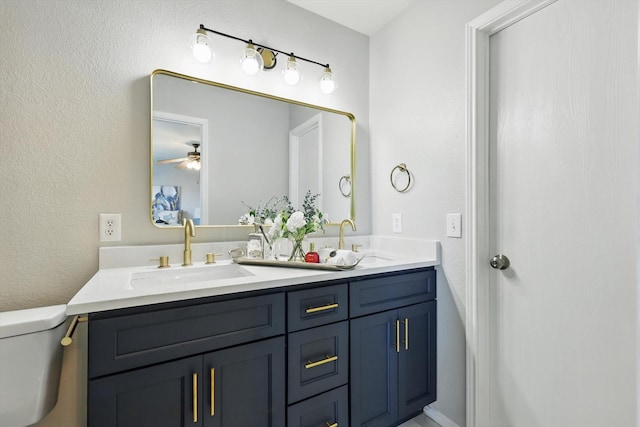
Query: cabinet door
x=417 y=364
x=246 y=385
x=374 y=370
x=159 y=396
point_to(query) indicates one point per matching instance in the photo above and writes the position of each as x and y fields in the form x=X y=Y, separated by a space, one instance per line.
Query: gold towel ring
x=402 y=168
x=347 y=179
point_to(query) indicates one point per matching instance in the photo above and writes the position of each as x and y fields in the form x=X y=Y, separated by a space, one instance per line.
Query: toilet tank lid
x=20 y=322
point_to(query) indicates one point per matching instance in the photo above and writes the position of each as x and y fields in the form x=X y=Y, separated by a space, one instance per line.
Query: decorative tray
x=294 y=264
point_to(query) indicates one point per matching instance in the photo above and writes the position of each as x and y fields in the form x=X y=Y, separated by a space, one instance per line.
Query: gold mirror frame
x=352 y=149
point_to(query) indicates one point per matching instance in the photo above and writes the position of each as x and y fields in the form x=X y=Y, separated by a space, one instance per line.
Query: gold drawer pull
x=328 y=359
x=195 y=397
x=331 y=425
x=322 y=308
x=406 y=334
x=397 y=336
x=213 y=391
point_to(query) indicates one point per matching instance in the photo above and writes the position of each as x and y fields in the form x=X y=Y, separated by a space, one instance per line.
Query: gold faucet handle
x=164 y=261
x=354 y=247
x=211 y=258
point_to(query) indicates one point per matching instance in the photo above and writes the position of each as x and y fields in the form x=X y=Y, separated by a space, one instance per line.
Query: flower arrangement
x=263 y=214
x=298 y=223
x=287 y=222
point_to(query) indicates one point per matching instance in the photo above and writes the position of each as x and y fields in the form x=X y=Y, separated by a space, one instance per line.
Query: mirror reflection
x=216 y=150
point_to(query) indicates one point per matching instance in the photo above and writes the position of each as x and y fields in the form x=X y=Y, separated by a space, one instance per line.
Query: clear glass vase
x=297 y=254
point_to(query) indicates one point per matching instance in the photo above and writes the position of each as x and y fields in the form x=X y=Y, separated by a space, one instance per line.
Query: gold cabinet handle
x=321 y=308
x=406 y=333
x=397 y=336
x=195 y=397
x=328 y=359
x=331 y=425
x=213 y=391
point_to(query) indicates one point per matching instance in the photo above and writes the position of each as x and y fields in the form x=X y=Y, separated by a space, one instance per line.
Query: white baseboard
x=438 y=417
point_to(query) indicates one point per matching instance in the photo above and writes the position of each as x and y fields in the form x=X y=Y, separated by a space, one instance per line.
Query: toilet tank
x=30 y=363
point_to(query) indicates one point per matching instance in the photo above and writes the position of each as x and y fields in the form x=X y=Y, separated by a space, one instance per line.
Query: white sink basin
x=372 y=259
x=182 y=275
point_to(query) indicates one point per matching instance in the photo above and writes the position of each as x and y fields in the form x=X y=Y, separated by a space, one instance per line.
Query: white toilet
x=30 y=363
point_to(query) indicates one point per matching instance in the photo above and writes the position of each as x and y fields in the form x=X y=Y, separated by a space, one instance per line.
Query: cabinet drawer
x=328 y=409
x=318 y=360
x=317 y=306
x=125 y=342
x=389 y=292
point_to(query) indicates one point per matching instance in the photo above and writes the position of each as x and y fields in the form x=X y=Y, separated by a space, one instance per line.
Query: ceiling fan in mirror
x=192 y=161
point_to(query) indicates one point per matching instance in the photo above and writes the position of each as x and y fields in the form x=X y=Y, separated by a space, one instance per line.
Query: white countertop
x=111 y=288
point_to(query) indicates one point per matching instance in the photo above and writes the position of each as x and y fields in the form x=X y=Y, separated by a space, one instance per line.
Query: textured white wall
x=417 y=76
x=74 y=134
x=74 y=108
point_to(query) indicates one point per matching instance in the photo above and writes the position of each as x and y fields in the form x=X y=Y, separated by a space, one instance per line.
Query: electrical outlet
x=454 y=225
x=396 y=223
x=110 y=228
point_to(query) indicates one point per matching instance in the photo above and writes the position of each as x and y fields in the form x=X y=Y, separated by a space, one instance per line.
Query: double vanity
x=234 y=345
x=243 y=345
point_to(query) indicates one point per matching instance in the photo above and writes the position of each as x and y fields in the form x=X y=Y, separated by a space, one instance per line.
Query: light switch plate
x=454 y=225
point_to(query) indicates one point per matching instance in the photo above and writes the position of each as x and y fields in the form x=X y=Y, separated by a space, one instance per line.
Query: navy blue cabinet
x=213 y=390
x=417 y=358
x=374 y=364
x=166 y=395
x=201 y=364
x=393 y=352
x=330 y=409
x=360 y=352
x=246 y=385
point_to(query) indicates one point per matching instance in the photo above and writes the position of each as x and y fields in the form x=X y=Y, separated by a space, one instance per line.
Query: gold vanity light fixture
x=256 y=57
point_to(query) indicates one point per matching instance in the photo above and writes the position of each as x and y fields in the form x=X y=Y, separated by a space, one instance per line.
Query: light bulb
x=291 y=74
x=201 y=47
x=327 y=81
x=251 y=61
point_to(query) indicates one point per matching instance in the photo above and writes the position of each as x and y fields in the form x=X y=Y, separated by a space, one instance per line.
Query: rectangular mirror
x=216 y=149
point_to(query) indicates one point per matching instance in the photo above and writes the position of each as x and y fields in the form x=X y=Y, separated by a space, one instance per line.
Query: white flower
x=274 y=231
x=296 y=221
x=247 y=219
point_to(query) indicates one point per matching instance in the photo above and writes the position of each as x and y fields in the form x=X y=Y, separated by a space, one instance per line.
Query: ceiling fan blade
x=162 y=162
x=183 y=164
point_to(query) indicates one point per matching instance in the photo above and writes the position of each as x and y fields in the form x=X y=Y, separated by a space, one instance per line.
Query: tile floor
x=420 y=421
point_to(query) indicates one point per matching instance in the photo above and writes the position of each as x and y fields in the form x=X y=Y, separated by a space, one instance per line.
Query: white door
x=560 y=332
x=305 y=161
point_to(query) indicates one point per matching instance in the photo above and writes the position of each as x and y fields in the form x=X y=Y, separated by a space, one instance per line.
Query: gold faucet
x=189 y=232
x=342 y=224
